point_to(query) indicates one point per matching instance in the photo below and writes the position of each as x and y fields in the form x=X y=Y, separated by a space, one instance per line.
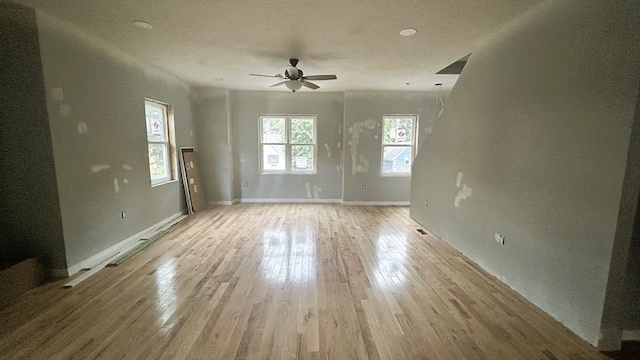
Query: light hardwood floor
x=286 y=281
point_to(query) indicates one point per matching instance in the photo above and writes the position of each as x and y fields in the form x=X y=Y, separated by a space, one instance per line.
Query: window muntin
x=288 y=144
x=159 y=129
x=398 y=144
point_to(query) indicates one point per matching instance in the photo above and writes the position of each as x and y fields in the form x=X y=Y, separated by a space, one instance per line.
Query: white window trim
x=169 y=142
x=288 y=144
x=414 y=134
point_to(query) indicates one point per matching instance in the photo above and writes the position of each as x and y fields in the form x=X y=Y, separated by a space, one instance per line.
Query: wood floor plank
x=288 y=281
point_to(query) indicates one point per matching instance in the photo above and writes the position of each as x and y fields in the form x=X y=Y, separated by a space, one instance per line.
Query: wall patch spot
x=98 y=168
x=326 y=147
x=65 y=109
x=82 y=128
x=459 y=179
x=464 y=193
x=127 y=167
x=116 y=185
x=57 y=94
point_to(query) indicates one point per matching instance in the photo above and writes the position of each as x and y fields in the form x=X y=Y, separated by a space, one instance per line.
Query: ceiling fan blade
x=320 y=77
x=278 y=84
x=310 y=85
x=275 y=76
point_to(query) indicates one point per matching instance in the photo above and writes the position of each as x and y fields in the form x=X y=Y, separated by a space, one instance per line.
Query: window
x=398 y=144
x=159 y=120
x=288 y=144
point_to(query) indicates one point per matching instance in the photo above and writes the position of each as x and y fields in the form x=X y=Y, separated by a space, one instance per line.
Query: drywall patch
x=82 y=128
x=464 y=193
x=127 y=167
x=99 y=167
x=65 y=110
x=116 y=185
x=326 y=147
x=57 y=94
x=359 y=163
x=307 y=186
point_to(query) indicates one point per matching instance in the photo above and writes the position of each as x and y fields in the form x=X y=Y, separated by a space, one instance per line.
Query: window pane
x=302 y=131
x=156 y=128
x=302 y=157
x=158 y=161
x=273 y=157
x=273 y=130
x=396 y=159
x=398 y=131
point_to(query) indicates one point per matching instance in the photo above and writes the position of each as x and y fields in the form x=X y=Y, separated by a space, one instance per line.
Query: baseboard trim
x=377 y=203
x=109 y=252
x=218 y=203
x=630 y=335
x=310 y=201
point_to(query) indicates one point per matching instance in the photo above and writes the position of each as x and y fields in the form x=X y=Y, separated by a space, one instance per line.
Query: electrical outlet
x=499 y=238
x=124 y=214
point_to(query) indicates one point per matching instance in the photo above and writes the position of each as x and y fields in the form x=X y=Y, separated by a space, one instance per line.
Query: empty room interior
x=320 y=179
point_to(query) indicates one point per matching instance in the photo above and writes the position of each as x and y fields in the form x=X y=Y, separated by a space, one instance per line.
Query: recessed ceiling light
x=408 y=32
x=142 y=24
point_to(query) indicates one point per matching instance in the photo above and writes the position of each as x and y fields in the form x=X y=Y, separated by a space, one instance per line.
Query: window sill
x=396 y=175
x=164 y=183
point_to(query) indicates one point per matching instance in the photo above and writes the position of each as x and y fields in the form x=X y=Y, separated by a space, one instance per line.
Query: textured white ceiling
x=203 y=41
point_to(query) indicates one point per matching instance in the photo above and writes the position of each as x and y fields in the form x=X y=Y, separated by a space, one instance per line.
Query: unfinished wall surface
x=631 y=301
x=533 y=146
x=363 y=113
x=95 y=99
x=325 y=185
x=210 y=108
x=29 y=208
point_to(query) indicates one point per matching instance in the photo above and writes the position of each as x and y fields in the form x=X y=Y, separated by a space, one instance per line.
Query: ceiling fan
x=294 y=78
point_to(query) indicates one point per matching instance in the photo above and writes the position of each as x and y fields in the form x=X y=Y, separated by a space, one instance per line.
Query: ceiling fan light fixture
x=408 y=32
x=293 y=85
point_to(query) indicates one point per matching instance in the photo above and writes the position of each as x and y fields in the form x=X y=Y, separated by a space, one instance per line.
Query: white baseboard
x=307 y=201
x=630 y=335
x=377 y=203
x=109 y=252
x=310 y=201
x=217 y=203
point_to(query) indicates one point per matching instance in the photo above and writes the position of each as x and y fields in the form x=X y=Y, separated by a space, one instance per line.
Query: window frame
x=168 y=142
x=412 y=143
x=287 y=143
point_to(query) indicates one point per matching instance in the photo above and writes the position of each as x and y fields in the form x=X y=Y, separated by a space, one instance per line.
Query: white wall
x=538 y=127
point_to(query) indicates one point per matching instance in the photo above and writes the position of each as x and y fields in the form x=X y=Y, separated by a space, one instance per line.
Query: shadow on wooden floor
x=630 y=351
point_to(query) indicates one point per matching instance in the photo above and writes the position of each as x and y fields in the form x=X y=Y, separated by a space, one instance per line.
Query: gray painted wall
x=363 y=112
x=631 y=301
x=541 y=146
x=246 y=106
x=211 y=113
x=29 y=209
x=104 y=91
